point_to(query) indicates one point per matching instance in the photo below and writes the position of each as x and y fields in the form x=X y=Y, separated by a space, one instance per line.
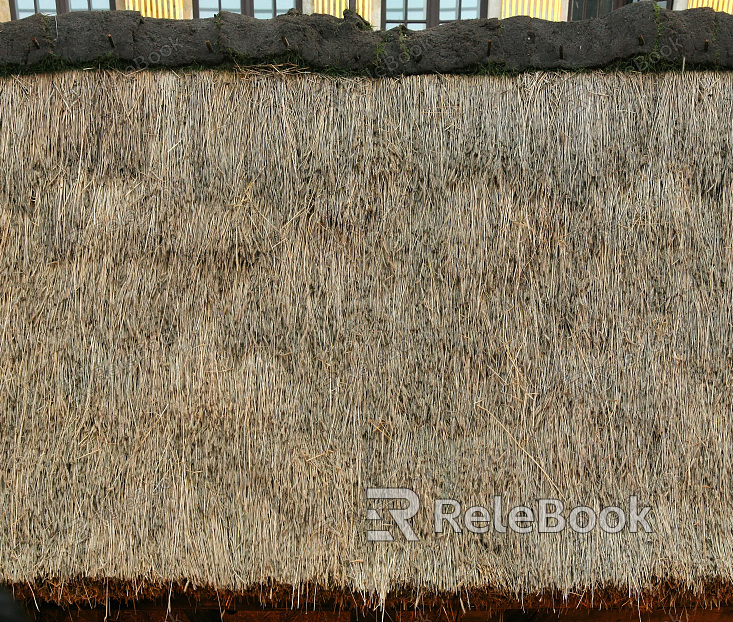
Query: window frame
x=246 y=7
x=617 y=4
x=432 y=14
x=62 y=6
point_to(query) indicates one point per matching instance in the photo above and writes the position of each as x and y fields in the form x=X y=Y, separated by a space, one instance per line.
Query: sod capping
x=640 y=34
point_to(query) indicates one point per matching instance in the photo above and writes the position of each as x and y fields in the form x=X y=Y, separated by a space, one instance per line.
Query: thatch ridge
x=223 y=318
x=637 y=37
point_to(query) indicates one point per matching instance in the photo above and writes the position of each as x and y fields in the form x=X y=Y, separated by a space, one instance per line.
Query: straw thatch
x=231 y=302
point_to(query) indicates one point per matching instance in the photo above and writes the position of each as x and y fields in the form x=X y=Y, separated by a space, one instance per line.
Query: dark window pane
x=576 y=10
x=604 y=7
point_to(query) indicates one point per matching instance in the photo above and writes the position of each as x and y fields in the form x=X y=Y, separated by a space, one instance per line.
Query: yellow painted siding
x=719 y=5
x=364 y=8
x=336 y=7
x=171 y=9
x=543 y=9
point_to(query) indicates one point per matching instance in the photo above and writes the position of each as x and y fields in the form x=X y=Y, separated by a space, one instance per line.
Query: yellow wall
x=544 y=9
x=4 y=11
x=336 y=7
x=172 y=9
x=718 y=5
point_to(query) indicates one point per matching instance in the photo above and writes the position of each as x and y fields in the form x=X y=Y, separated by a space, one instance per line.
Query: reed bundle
x=231 y=302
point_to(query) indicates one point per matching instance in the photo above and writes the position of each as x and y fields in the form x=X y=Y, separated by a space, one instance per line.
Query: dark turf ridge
x=638 y=36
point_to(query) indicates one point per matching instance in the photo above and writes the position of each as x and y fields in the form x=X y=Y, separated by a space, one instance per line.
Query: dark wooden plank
x=182 y=611
x=724 y=614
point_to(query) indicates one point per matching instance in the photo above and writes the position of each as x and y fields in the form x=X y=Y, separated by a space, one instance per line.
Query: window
x=209 y=8
x=410 y=13
x=421 y=14
x=261 y=9
x=588 y=9
x=267 y=9
x=90 y=5
x=25 y=8
x=453 y=10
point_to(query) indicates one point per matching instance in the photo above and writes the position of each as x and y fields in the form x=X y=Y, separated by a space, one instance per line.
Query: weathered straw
x=232 y=302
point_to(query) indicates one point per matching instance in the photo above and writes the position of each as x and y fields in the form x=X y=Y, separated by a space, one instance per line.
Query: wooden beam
x=182 y=611
x=607 y=615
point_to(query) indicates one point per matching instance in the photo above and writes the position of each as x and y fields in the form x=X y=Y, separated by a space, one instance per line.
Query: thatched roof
x=231 y=302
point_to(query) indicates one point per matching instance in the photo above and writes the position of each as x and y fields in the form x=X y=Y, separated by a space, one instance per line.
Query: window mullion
x=433 y=12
